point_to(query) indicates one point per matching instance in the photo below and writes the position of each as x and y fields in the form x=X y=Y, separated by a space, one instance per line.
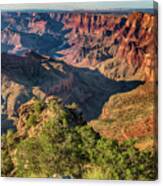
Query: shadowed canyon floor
x=36 y=76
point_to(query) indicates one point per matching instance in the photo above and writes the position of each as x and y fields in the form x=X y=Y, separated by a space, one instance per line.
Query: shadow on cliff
x=45 y=41
x=89 y=88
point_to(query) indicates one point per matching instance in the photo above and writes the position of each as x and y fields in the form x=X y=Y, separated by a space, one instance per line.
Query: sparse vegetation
x=131 y=114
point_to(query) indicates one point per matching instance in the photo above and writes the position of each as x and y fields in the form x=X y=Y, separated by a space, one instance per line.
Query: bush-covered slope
x=53 y=140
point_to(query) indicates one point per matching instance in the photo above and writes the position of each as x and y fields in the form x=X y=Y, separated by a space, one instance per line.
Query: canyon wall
x=120 y=45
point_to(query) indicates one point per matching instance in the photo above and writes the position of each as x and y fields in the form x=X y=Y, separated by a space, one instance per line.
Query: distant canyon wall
x=87 y=39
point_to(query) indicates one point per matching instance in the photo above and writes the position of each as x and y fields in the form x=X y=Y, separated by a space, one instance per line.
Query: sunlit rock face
x=87 y=39
x=129 y=38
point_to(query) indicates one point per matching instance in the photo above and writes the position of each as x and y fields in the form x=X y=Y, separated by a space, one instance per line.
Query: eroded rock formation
x=129 y=38
x=88 y=39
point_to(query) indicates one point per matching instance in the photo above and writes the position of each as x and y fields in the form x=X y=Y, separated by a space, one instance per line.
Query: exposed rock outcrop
x=88 y=39
x=34 y=114
x=130 y=115
x=130 y=39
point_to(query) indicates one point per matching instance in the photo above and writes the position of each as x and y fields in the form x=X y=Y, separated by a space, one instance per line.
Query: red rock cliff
x=95 y=37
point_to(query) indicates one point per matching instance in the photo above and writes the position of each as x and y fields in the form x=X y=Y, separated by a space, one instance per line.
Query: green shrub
x=75 y=151
x=6 y=161
x=38 y=106
x=32 y=119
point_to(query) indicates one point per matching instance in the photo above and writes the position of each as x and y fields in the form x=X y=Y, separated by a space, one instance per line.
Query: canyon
x=85 y=58
x=122 y=46
x=24 y=77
